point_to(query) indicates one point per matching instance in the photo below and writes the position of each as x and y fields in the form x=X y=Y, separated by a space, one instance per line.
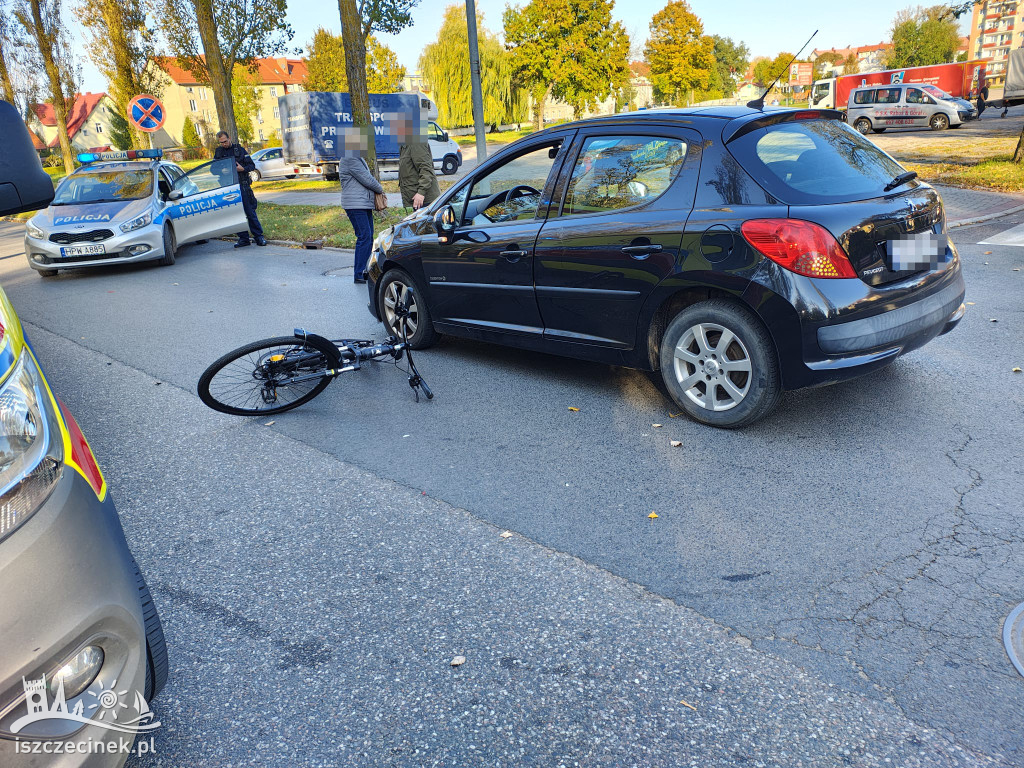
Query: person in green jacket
x=416 y=178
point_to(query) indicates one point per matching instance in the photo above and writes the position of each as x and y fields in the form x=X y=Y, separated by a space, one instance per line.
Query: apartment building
x=183 y=96
x=996 y=27
x=88 y=123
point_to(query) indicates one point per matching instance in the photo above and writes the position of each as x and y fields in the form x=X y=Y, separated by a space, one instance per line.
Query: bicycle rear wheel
x=269 y=376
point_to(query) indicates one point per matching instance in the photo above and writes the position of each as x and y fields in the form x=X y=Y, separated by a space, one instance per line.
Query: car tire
x=255 y=175
x=449 y=165
x=169 y=247
x=939 y=122
x=863 y=125
x=47 y=272
x=392 y=288
x=691 y=355
x=290 y=176
x=156 y=646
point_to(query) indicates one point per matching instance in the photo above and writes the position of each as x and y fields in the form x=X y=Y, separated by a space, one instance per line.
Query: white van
x=913 y=105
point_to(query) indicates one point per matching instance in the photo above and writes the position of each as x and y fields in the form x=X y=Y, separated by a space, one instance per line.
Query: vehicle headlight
x=33 y=231
x=138 y=222
x=31 y=445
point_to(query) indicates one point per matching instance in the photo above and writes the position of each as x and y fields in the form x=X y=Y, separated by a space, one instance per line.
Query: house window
x=273 y=91
x=192 y=104
x=99 y=128
x=277 y=113
x=261 y=134
x=202 y=94
x=259 y=115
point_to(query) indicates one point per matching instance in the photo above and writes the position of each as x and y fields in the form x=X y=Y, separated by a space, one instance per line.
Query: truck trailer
x=960 y=79
x=313 y=124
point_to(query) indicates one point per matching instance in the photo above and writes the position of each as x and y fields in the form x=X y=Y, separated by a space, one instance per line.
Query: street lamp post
x=474 y=76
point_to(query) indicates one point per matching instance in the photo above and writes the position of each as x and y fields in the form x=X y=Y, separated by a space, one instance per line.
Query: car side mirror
x=445 y=136
x=444 y=223
x=24 y=185
x=175 y=194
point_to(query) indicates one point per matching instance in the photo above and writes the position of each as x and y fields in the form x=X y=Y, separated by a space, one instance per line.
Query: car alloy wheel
x=863 y=125
x=394 y=292
x=449 y=166
x=940 y=122
x=719 y=364
x=254 y=176
x=712 y=366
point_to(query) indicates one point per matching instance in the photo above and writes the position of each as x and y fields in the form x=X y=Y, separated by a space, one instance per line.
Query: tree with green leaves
x=851 y=66
x=766 y=70
x=680 y=55
x=325 y=65
x=211 y=40
x=922 y=36
x=569 y=49
x=189 y=135
x=824 y=61
x=445 y=65
x=120 y=46
x=245 y=97
x=731 y=62
x=121 y=134
x=43 y=21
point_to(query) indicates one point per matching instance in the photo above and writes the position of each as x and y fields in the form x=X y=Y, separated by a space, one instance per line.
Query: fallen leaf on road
x=458 y=661
x=574 y=410
x=675 y=443
x=174 y=283
x=673 y=415
x=987 y=253
x=656 y=426
x=507 y=535
x=688 y=704
x=970 y=303
x=268 y=424
x=1015 y=269
x=653 y=516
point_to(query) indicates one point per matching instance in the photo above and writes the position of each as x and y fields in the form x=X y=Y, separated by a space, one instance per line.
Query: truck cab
x=823 y=94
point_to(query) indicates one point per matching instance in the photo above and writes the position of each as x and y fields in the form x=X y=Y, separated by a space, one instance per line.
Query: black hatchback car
x=741 y=252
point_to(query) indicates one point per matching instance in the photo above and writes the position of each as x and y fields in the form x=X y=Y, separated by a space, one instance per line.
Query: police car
x=124 y=207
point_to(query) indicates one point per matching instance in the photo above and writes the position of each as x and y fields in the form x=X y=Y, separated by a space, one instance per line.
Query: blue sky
x=766 y=27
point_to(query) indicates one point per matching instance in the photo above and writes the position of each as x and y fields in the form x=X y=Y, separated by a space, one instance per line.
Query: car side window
x=435 y=133
x=613 y=172
x=863 y=97
x=915 y=96
x=512 y=191
x=887 y=96
x=209 y=176
x=165 y=183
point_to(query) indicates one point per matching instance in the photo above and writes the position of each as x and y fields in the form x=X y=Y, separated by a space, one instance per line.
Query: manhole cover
x=338 y=272
x=1013 y=637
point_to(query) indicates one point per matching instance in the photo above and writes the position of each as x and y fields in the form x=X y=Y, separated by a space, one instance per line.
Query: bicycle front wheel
x=269 y=376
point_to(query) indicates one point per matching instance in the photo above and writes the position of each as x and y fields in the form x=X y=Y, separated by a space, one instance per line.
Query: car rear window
x=814 y=162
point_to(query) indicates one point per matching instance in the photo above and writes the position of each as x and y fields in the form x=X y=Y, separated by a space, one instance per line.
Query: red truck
x=959 y=79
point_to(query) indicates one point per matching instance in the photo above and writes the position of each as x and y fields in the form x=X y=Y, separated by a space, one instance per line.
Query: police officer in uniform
x=244 y=165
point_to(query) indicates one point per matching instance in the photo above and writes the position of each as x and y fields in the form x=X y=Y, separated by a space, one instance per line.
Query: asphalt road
x=826 y=588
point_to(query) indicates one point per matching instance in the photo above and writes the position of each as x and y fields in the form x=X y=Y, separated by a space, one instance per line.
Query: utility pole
x=474 y=76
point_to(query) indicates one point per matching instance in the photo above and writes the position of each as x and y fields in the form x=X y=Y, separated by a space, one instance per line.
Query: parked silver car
x=878 y=107
x=270 y=164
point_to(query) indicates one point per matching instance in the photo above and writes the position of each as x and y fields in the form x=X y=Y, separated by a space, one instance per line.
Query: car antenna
x=758 y=103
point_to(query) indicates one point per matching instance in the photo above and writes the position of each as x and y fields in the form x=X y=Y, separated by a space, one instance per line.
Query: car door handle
x=513 y=255
x=639 y=251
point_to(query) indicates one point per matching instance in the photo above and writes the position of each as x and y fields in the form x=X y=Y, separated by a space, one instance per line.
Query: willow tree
x=120 y=46
x=43 y=21
x=230 y=33
x=445 y=65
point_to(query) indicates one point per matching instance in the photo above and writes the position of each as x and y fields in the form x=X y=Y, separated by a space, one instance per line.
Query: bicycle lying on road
x=275 y=375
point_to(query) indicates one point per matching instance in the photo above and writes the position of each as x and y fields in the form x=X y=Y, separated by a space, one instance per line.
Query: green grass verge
x=321 y=185
x=503 y=137
x=318 y=222
x=1000 y=175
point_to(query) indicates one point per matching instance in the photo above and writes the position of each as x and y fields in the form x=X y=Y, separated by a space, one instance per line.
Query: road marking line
x=1012 y=236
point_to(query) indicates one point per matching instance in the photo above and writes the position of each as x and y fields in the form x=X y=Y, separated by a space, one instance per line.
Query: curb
x=983 y=219
x=297 y=245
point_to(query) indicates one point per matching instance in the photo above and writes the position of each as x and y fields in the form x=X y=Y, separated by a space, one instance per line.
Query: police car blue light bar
x=130 y=154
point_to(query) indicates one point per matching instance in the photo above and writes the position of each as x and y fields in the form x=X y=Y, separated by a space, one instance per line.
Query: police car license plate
x=83 y=250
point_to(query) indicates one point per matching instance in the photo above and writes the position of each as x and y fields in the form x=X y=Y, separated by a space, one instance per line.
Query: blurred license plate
x=83 y=250
x=923 y=250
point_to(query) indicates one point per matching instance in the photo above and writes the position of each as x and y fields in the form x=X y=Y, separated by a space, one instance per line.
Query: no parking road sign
x=146 y=113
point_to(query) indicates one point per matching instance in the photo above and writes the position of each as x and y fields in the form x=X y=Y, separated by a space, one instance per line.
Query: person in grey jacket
x=358 y=187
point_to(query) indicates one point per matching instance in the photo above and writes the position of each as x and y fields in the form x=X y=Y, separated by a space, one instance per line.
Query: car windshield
x=938 y=93
x=100 y=186
x=815 y=161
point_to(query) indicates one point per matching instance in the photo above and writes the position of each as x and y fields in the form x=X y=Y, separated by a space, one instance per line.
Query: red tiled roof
x=277 y=70
x=85 y=103
x=37 y=143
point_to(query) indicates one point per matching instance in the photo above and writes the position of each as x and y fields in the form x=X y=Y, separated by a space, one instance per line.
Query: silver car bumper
x=68 y=582
x=143 y=244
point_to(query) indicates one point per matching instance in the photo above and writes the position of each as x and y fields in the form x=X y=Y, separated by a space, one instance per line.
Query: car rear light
x=800 y=246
